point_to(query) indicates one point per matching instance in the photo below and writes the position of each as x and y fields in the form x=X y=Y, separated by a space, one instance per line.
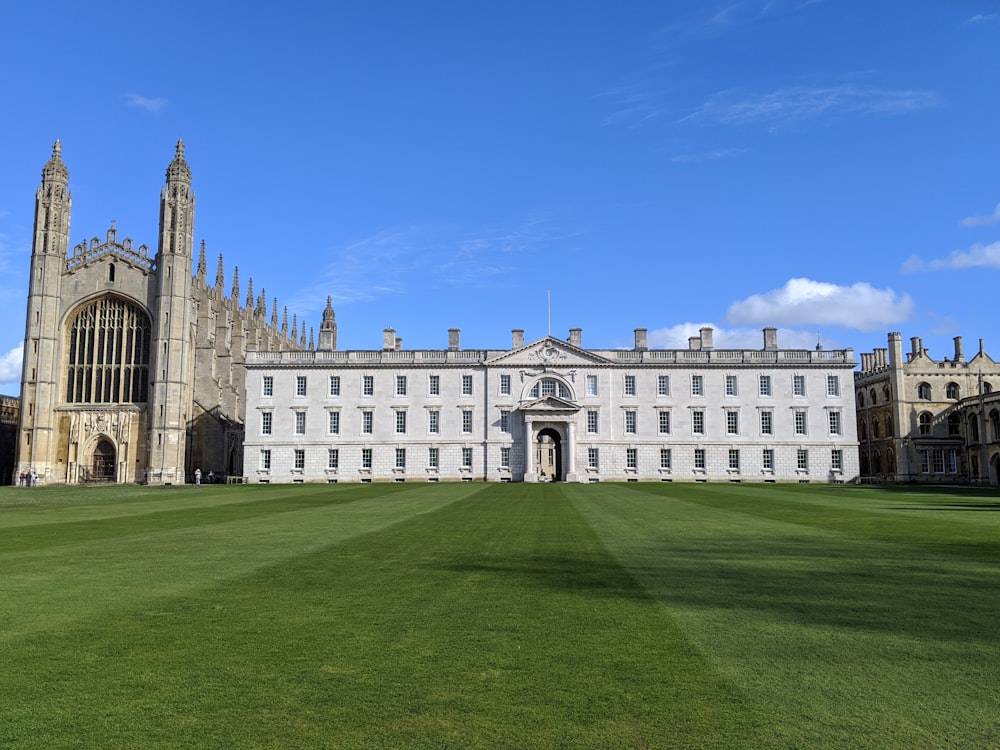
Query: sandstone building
x=133 y=360
x=926 y=420
x=550 y=410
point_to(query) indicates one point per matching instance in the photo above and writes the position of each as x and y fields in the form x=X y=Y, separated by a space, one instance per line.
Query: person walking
x=197 y=476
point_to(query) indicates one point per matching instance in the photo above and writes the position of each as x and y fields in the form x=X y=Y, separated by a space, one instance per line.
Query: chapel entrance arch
x=548 y=455
x=104 y=464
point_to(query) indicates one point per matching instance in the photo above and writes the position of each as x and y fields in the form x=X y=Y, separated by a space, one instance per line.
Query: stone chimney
x=576 y=337
x=706 y=337
x=641 y=341
x=388 y=339
x=453 y=338
x=959 y=354
x=516 y=338
x=399 y=344
x=770 y=339
x=694 y=343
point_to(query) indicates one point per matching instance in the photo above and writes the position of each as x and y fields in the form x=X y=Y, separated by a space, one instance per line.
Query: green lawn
x=493 y=616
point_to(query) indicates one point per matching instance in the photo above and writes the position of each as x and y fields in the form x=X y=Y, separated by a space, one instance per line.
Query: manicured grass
x=491 y=616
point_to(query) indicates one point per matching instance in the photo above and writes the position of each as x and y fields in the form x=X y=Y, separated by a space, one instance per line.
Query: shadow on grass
x=949 y=506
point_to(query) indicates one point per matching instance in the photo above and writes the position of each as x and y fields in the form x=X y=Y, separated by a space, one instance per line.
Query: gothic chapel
x=133 y=363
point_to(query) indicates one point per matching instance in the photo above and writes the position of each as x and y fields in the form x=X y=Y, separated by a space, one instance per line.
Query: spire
x=295 y=327
x=236 y=284
x=274 y=314
x=262 y=303
x=284 y=322
x=328 y=328
x=249 y=304
x=303 y=342
x=311 y=345
x=179 y=171
x=202 y=267
x=220 y=278
x=54 y=169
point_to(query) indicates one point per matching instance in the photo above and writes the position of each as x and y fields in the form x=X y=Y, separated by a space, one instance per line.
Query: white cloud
x=983 y=18
x=797 y=103
x=984 y=220
x=803 y=302
x=676 y=337
x=979 y=256
x=10 y=365
x=153 y=106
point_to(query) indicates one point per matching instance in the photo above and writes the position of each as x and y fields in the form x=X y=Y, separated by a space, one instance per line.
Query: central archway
x=103 y=467
x=548 y=455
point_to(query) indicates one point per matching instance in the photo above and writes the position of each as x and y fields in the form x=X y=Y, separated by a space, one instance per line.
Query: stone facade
x=133 y=361
x=928 y=421
x=551 y=410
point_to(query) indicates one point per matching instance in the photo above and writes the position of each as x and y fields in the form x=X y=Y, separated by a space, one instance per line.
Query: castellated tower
x=134 y=365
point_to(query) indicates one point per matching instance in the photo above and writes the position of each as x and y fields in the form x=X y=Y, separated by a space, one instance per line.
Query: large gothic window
x=108 y=353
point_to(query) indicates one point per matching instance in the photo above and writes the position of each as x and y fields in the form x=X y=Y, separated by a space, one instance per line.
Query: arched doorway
x=103 y=468
x=548 y=455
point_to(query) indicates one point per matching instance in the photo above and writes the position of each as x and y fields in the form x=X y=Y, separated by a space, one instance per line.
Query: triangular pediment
x=548 y=352
x=548 y=405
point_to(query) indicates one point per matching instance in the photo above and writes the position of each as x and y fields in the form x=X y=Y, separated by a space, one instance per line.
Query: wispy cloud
x=676 y=337
x=982 y=18
x=798 y=103
x=714 y=155
x=10 y=365
x=634 y=105
x=153 y=106
x=803 y=302
x=978 y=256
x=986 y=219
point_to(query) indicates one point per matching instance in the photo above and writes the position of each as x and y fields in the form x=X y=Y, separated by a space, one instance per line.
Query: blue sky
x=829 y=167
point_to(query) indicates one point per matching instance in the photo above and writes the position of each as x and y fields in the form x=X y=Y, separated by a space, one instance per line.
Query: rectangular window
x=664 y=418
x=505 y=457
x=631 y=458
x=504 y=420
x=268 y=386
x=591 y=385
x=333 y=458
x=367 y=422
x=505 y=385
x=630 y=422
x=925 y=462
x=548 y=387
x=466 y=421
x=434 y=422
x=835 y=423
x=434 y=385
x=334 y=422
x=300 y=423
x=665 y=458
x=466 y=385
x=798 y=385
x=768 y=459
x=765 y=385
x=699 y=458
x=400 y=385
x=300 y=459
x=766 y=423
x=266 y=418
x=662 y=385
x=837 y=459
x=734 y=459
x=432 y=457
x=400 y=458
x=800 y=423
x=938 y=461
x=730 y=385
x=592 y=422
x=300 y=385
x=368 y=385
x=630 y=385
x=265 y=459
x=732 y=423
x=832 y=385
x=697 y=385
x=802 y=460
x=400 y=422
x=698 y=422
x=366 y=458
x=335 y=385
x=466 y=458
x=592 y=458
x=953 y=461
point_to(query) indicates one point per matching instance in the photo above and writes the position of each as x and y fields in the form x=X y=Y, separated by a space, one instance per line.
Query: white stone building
x=550 y=410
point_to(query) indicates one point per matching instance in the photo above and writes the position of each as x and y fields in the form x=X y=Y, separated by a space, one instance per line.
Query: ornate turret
x=328 y=328
x=54 y=172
